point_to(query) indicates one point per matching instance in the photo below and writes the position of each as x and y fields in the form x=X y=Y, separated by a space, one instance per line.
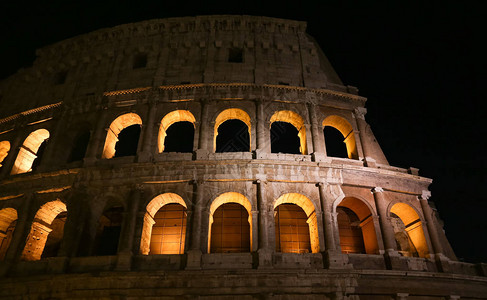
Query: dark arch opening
x=230 y=230
x=169 y=230
x=233 y=136
x=80 y=144
x=284 y=138
x=53 y=242
x=128 y=140
x=40 y=152
x=292 y=230
x=335 y=146
x=351 y=237
x=109 y=229
x=179 y=137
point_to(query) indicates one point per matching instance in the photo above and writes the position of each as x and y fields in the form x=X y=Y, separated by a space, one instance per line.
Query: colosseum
x=209 y=157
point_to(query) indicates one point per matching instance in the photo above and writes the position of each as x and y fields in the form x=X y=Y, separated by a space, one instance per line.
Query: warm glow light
x=168 y=120
x=151 y=210
x=28 y=151
x=116 y=127
x=295 y=120
x=307 y=206
x=4 y=149
x=231 y=114
x=346 y=130
x=413 y=227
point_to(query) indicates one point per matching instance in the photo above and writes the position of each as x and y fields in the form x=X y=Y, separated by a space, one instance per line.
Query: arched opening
x=230 y=229
x=356 y=227
x=180 y=137
x=118 y=144
x=233 y=136
x=79 y=146
x=408 y=230
x=4 y=149
x=285 y=138
x=335 y=145
x=46 y=232
x=232 y=131
x=8 y=220
x=164 y=229
x=351 y=238
x=347 y=136
x=30 y=151
x=177 y=138
x=169 y=230
x=296 y=224
x=55 y=237
x=108 y=233
x=128 y=140
x=292 y=231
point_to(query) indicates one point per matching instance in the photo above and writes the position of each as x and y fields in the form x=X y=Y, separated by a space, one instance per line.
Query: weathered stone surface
x=207 y=70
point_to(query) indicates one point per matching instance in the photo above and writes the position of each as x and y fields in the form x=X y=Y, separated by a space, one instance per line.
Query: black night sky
x=420 y=64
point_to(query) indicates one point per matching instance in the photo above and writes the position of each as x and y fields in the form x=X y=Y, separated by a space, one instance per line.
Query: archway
x=232 y=131
x=46 y=232
x=230 y=225
x=277 y=131
x=164 y=229
x=356 y=227
x=116 y=127
x=28 y=153
x=408 y=230
x=296 y=224
x=177 y=138
x=346 y=130
x=79 y=145
x=109 y=229
x=8 y=220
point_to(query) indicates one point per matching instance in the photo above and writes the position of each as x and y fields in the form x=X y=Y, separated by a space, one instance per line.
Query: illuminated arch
x=364 y=214
x=4 y=149
x=28 y=151
x=413 y=228
x=225 y=198
x=168 y=120
x=346 y=130
x=295 y=120
x=309 y=209
x=114 y=130
x=232 y=114
x=152 y=208
x=41 y=229
x=8 y=216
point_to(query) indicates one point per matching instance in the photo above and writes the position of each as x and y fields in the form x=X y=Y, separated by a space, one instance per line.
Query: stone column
x=326 y=204
x=75 y=222
x=35 y=242
x=98 y=136
x=255 y=231
x=441 y=259
x=194 y=252
x=48 y=161
x=22 y=229
x=384 y=220
x=319 y=150
x=204 y=142
x=126 y=244
x=378 y=233
x=362 y=127
x=266 y=227
x=147 y=150
x=263 y=140
x=392 y=258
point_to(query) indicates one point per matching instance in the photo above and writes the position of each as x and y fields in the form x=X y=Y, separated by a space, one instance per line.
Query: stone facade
x=205 y=71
